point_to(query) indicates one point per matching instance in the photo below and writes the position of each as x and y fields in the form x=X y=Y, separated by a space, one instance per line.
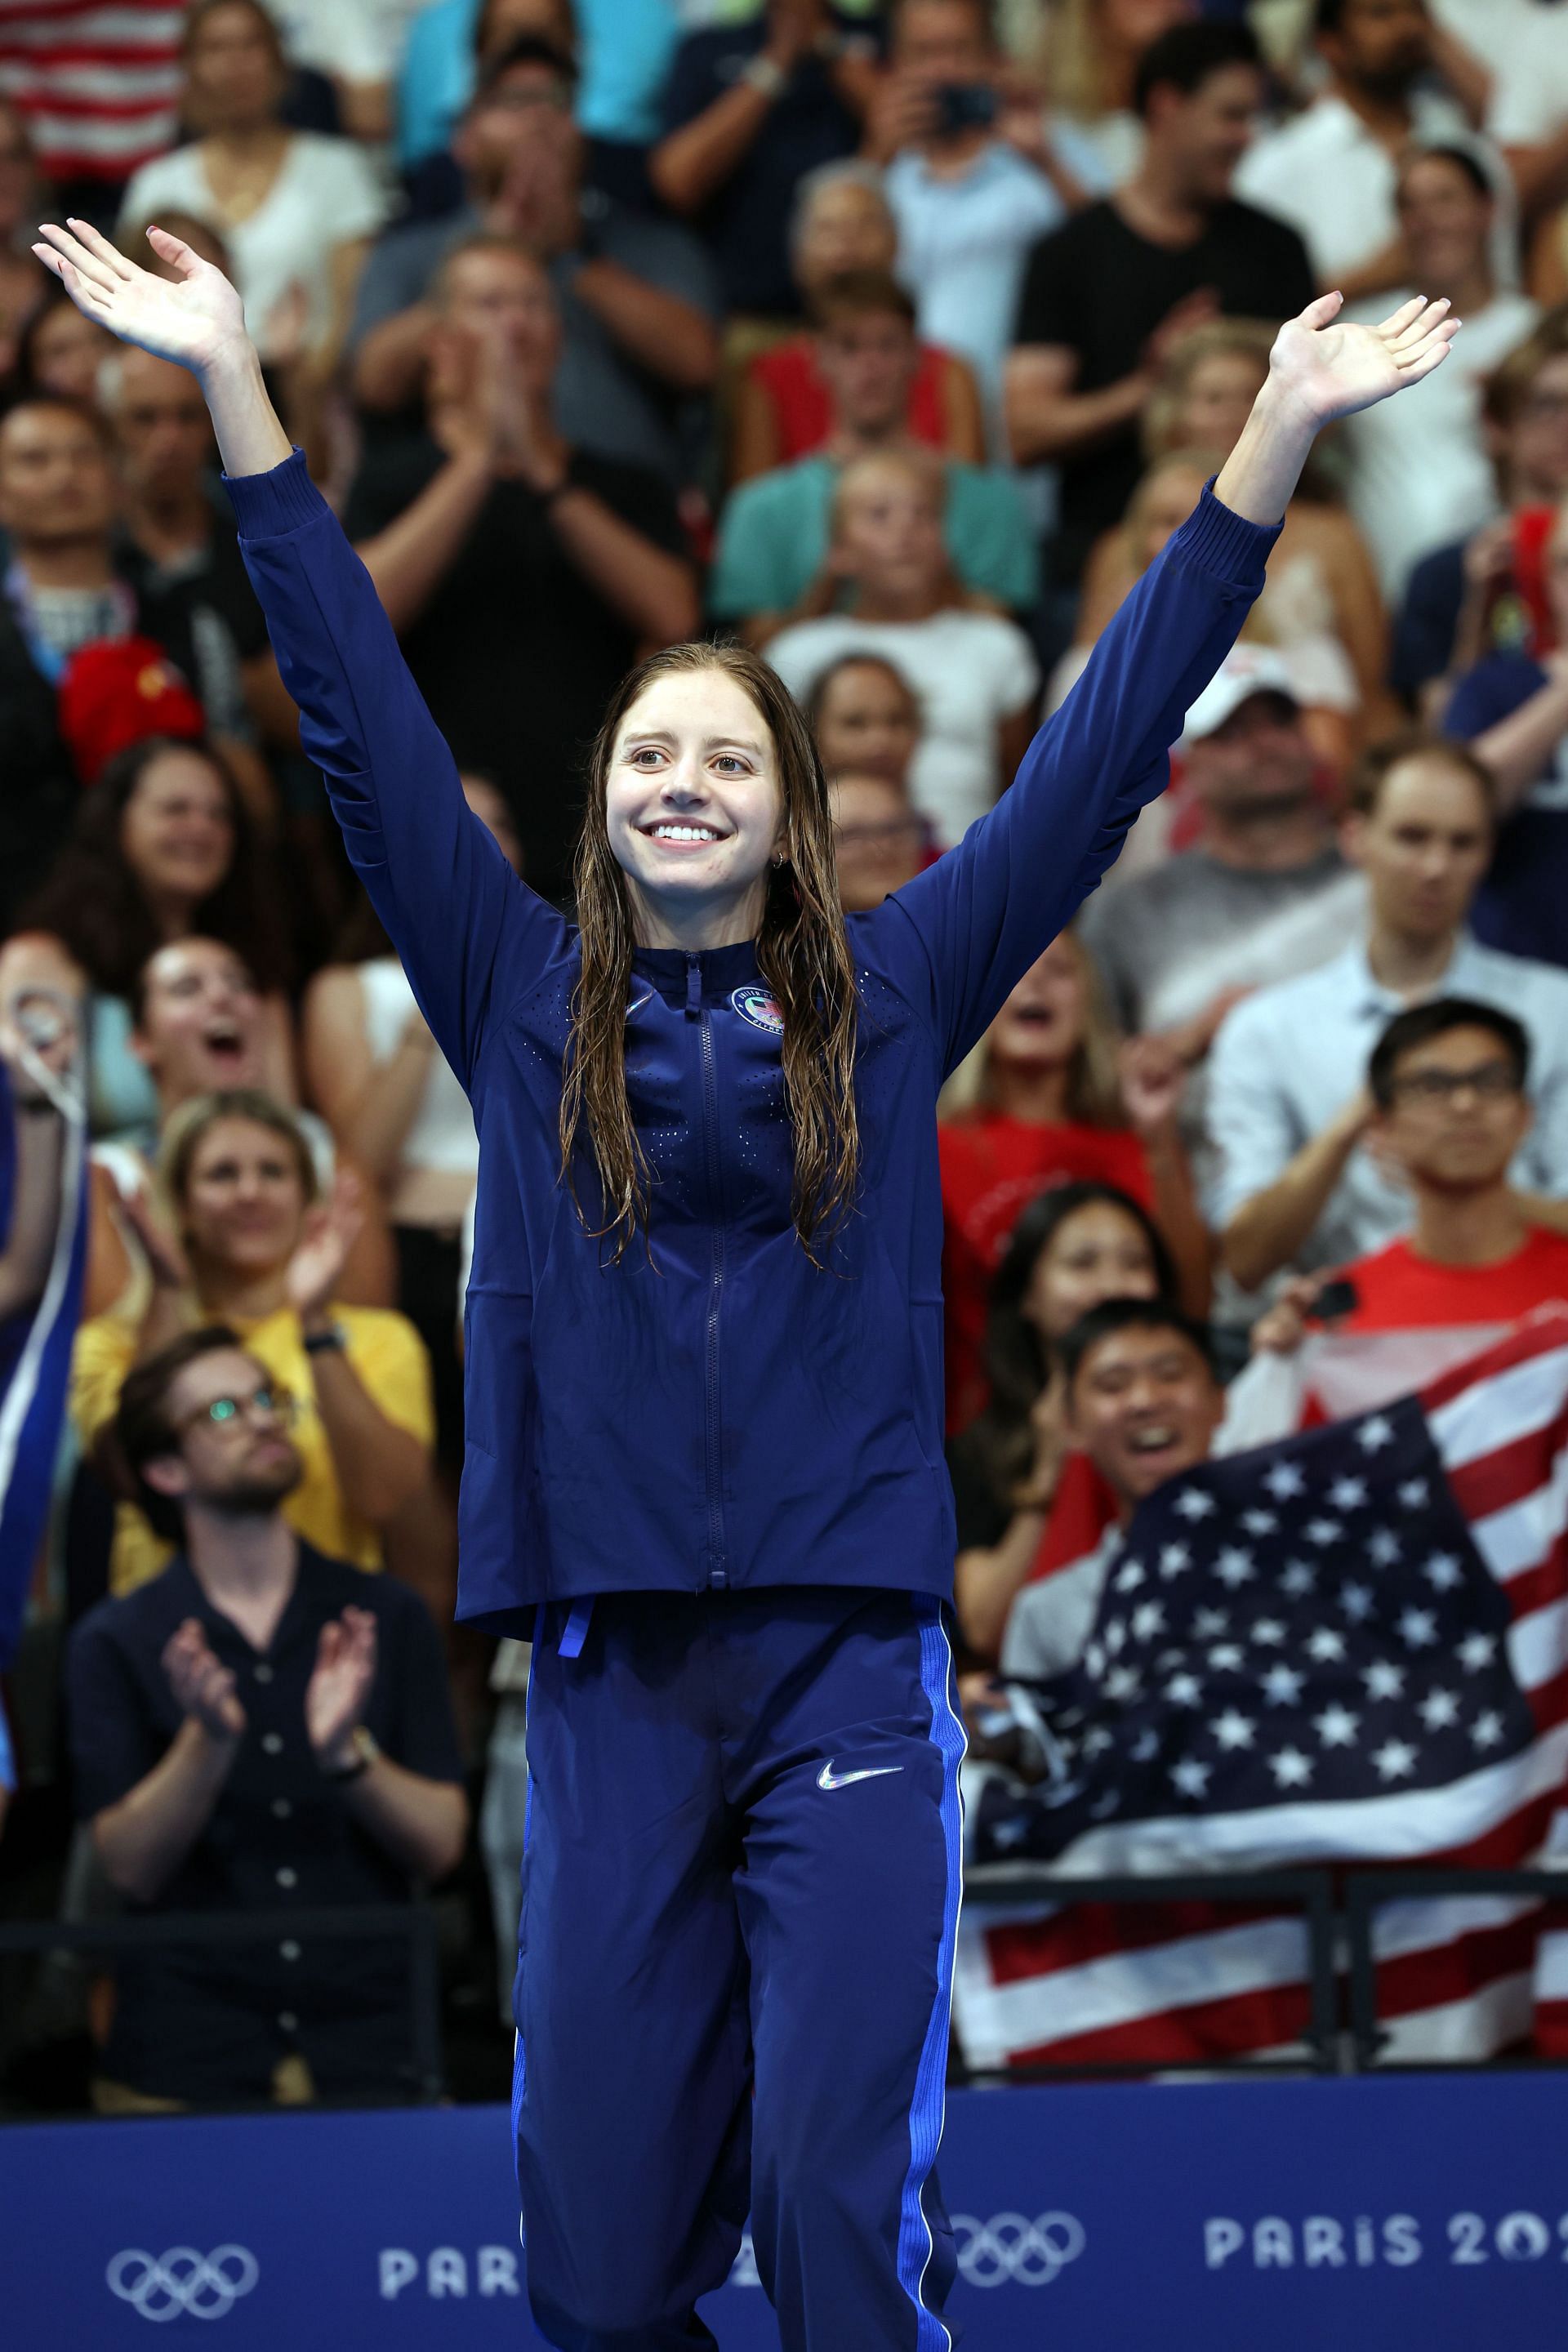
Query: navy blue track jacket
x=728 y=1415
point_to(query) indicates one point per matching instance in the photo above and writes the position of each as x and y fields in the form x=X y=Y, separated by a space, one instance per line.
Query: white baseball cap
x=1245 y=670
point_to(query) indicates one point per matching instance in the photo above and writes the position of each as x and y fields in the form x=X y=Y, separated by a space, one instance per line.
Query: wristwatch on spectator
x=328 y=1342
x=765 y=75
x=365 y=1748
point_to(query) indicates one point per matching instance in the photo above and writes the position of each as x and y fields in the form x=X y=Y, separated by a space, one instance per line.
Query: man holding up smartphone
x=971 y=178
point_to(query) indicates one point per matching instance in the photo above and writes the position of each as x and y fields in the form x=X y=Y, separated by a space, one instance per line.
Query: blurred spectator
x=1049 y=1099
x=1141 y=1400
x=1528 y=112
x=748 y=109
x=22 y=283
x=1179 y=944
x=178 y=534
x=786 y=407
x=1178 y=248
x=975 y=672
x=1320 y=580
x=42 y=1222
x=255 y=1245
x=59 y=352
x=635 y=295
x=41 y=1029
x=1331 y=171
x=55 y=64
x=296 y=209
x=357 y=46
x=1448 y=1082
x=395 y=1107
x=1296 y=622
x=523 y=573
x=973 y=177
x=626 y=47
x=866 y=717
x=772 y=564
x=1073 y=1246
x=880 y=839
x=63 y=704
x=1420 y=476
x=1294 y=1184
x=1512 y=710
x=1092 y=49
x=1472 y=597
x=162 y=846
x=200 y=1025
x=260 y=1729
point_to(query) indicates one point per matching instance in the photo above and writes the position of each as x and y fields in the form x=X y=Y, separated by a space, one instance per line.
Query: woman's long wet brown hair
x=802 y=953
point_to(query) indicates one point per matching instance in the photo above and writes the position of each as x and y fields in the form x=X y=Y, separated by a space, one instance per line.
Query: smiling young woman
x=704 y=1361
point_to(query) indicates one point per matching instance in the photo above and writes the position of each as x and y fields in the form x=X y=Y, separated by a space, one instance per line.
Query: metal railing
x=1367 y=1891
x=1339 y=1907
x=410 y=1923
x=1309 y=1892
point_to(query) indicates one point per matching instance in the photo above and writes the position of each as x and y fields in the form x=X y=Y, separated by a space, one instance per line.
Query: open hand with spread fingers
x=1332 y=366
x=1324 y=365
x=195 y=321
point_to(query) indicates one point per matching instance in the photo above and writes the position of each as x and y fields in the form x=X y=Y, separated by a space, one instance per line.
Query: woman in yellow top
x=259 y=1252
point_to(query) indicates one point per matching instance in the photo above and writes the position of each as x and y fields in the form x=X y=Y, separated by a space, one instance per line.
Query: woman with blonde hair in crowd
x=973 y=669
x=248 y=1243
x=843 y=225
x=1087 y=54
x=1322 y=582
x=1323 y=678
x=1051 y=1096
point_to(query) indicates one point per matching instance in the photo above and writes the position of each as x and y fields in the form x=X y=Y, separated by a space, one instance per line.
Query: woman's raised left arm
x=973 y=923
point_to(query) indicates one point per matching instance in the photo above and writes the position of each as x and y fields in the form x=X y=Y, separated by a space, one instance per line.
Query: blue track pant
x=741 y=1893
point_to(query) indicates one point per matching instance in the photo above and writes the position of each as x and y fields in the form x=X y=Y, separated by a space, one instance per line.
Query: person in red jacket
x=1054 y=1101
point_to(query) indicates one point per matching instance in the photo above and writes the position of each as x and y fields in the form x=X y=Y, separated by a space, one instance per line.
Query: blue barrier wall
x=1326 y=2216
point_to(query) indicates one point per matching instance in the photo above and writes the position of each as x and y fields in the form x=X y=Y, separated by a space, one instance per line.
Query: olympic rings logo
x=1010 y=2249
x=204 y=2286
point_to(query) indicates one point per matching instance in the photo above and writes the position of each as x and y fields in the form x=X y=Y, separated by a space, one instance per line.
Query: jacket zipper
x=718 y=1574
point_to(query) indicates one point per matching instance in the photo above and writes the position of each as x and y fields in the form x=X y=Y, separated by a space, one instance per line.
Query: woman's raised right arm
x=470 y=935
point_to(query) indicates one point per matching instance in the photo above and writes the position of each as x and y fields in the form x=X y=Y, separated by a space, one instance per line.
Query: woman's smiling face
x=693 y=801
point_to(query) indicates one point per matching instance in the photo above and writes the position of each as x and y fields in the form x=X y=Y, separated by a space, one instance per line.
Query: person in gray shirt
x=638 y=296
x=1264 y=891
x=1291 y=1181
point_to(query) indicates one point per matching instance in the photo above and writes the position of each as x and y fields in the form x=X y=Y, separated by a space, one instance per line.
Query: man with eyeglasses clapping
x=256 y=1728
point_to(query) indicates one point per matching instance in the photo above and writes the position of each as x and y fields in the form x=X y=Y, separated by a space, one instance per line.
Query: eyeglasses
x=267 y=1403
x=1489 y=1082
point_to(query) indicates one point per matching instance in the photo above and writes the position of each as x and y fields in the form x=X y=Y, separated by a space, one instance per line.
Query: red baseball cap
x=116 y=692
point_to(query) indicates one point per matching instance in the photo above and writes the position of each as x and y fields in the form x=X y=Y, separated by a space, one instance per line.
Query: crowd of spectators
x=894 y=337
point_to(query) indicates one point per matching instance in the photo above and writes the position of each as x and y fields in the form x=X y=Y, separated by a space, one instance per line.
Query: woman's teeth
x=684 y=833
x=1151 y=1440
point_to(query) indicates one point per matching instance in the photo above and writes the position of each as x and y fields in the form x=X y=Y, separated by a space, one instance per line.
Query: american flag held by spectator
x=1350 y=1647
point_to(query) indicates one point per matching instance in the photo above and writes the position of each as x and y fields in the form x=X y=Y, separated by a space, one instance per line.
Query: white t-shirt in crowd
x=326 y=195
x=1325 y=174
x=350 y=40
x=1529 y=85
x=1420 y=474
x=969 y=670
x=442 y=1135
